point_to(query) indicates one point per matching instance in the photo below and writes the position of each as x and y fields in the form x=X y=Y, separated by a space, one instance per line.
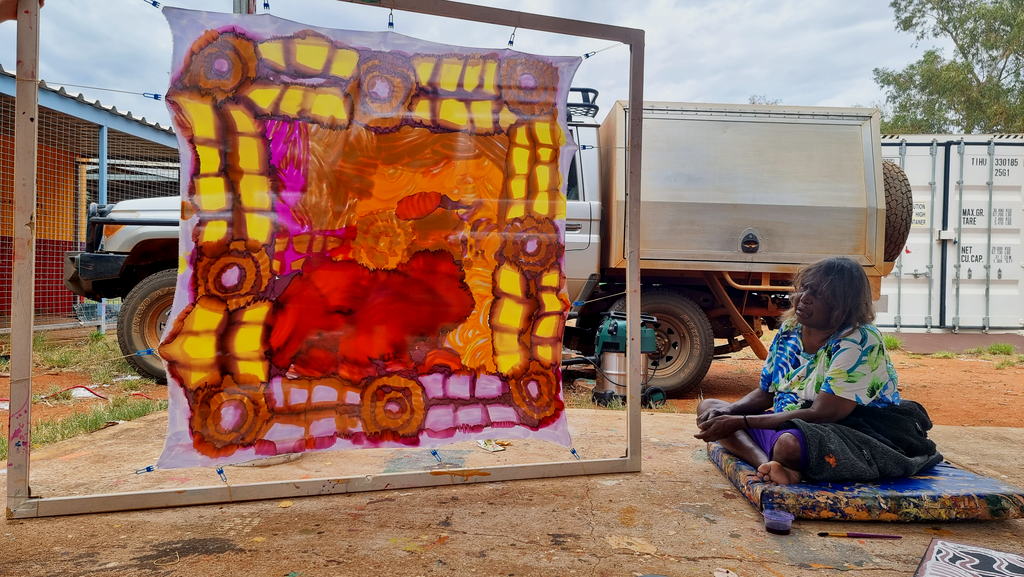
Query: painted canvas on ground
x=372 y=241
x=948 y=559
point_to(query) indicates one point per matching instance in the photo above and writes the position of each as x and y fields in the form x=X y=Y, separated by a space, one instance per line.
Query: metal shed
x=88 y=152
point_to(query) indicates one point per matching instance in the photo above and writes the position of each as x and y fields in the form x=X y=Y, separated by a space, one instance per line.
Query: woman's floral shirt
x=852 y=364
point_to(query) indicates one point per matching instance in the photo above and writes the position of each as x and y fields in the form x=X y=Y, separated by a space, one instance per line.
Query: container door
x=984 y=255
x=911 y=293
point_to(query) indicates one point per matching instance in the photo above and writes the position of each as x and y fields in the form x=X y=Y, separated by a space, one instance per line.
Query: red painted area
x=52 y=297
x=418 y=205
x=343 y=318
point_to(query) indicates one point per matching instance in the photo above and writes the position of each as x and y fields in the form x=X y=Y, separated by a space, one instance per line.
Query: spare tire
x=899 y=207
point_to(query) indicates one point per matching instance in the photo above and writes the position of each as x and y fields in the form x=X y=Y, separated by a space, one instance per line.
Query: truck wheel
x=144 y=313
x=899 y=207
x=686 y=342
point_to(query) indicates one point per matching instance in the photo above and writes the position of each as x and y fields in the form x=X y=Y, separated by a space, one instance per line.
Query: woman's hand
x=720 y=427
x=716 y=411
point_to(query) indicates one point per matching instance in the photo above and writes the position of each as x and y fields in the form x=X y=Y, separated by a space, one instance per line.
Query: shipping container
x=961 y=268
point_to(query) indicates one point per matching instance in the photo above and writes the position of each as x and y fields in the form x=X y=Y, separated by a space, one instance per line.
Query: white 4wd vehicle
x=131 y=253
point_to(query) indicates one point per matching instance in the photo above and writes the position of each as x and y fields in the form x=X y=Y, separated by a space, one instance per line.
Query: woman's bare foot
x=775 y=473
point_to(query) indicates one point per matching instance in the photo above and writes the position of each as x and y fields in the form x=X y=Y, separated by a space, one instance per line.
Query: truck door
x=583 y=212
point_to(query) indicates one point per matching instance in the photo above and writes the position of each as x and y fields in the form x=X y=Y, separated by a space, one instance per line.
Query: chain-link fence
x=68 y=180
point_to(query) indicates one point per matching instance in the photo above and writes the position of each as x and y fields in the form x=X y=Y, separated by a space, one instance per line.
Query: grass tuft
x=892 y=342
x=944 y=355
x=118 y=409
x=974 y=351
x=98 y=355
x=1000 y=349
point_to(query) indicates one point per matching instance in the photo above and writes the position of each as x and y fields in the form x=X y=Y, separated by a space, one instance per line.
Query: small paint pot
x=777 y=522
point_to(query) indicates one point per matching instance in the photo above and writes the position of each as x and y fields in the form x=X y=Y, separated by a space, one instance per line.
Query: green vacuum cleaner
x=610 y=360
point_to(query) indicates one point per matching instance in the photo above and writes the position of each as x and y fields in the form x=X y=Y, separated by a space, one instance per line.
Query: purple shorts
x=766 y=438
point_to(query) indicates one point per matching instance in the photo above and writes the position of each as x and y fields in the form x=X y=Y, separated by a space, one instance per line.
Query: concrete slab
x=678 y=517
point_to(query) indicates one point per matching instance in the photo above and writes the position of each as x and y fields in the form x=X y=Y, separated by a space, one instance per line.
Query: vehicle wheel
x=685 y=340
x=144 y=313
x=899 y=207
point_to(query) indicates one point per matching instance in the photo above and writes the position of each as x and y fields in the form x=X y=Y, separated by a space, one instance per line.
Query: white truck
x=735 y=199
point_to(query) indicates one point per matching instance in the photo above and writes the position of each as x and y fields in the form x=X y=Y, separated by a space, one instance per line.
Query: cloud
x=814 y=52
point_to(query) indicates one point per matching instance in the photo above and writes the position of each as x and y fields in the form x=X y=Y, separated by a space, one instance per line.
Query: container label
x=1001 y=254
x=977 y=216
x=1002 y=166
x=919 y=218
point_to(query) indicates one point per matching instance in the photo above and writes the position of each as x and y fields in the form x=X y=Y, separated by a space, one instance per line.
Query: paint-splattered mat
x=942 y=493
x=948 y=559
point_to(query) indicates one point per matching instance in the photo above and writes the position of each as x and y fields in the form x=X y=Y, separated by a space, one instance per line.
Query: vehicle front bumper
x=84 y=273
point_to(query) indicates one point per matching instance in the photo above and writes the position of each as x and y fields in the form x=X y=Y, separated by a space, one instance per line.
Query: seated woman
x=835 y=411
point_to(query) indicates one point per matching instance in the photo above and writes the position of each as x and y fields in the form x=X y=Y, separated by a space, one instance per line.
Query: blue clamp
x=153 y=2
x=152 y=95
x=148 y=469
x=589 y=54
x=391 y=21
x=575 y=454
x=144 y=353
x=436 y=456
x=578 y=303
x=266 y=4
x=587 y=147
x=223 y=476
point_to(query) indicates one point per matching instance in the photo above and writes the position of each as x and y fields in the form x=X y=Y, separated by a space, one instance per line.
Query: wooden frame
x=20 y=503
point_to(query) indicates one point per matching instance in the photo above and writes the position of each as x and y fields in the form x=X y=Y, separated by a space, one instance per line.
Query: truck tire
x=685 y=339
x=140 y=325
x=899 y=208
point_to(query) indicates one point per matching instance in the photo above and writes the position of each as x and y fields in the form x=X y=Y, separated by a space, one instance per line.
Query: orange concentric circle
x=535 y=392
x=236 y=276
x=528 y=85
x=220 y=66
x=227 y=418
x=393 y=407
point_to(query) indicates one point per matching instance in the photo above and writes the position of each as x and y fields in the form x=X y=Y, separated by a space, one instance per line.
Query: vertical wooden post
x=26 y=114
x=635 y=133
x=244 y=6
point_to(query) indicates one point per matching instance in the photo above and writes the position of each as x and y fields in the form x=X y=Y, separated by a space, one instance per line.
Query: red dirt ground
x=52 y=410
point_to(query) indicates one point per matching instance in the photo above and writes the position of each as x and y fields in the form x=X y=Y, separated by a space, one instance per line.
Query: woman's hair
x=843 y=285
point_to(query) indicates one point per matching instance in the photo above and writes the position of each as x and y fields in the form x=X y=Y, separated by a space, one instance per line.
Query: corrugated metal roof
x=95 y=104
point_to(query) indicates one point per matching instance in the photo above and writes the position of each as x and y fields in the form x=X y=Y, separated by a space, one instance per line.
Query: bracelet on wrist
x=746 y=422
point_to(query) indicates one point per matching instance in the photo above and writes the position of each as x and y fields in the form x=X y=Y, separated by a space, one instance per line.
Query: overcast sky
x=811 y=52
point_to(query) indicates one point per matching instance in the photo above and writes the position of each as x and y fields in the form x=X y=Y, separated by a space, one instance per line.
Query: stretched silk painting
x=372 y=241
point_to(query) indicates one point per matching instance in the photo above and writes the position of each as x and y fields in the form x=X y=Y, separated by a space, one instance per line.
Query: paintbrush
x=859 y=535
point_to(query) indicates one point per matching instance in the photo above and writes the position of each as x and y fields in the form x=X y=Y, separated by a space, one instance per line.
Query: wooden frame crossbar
x=20 y=503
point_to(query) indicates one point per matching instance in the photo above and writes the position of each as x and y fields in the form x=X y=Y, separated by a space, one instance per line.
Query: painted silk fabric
x=372 y=241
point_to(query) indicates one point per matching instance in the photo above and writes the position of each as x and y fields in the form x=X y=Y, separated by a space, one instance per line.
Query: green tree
x=979 y=89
